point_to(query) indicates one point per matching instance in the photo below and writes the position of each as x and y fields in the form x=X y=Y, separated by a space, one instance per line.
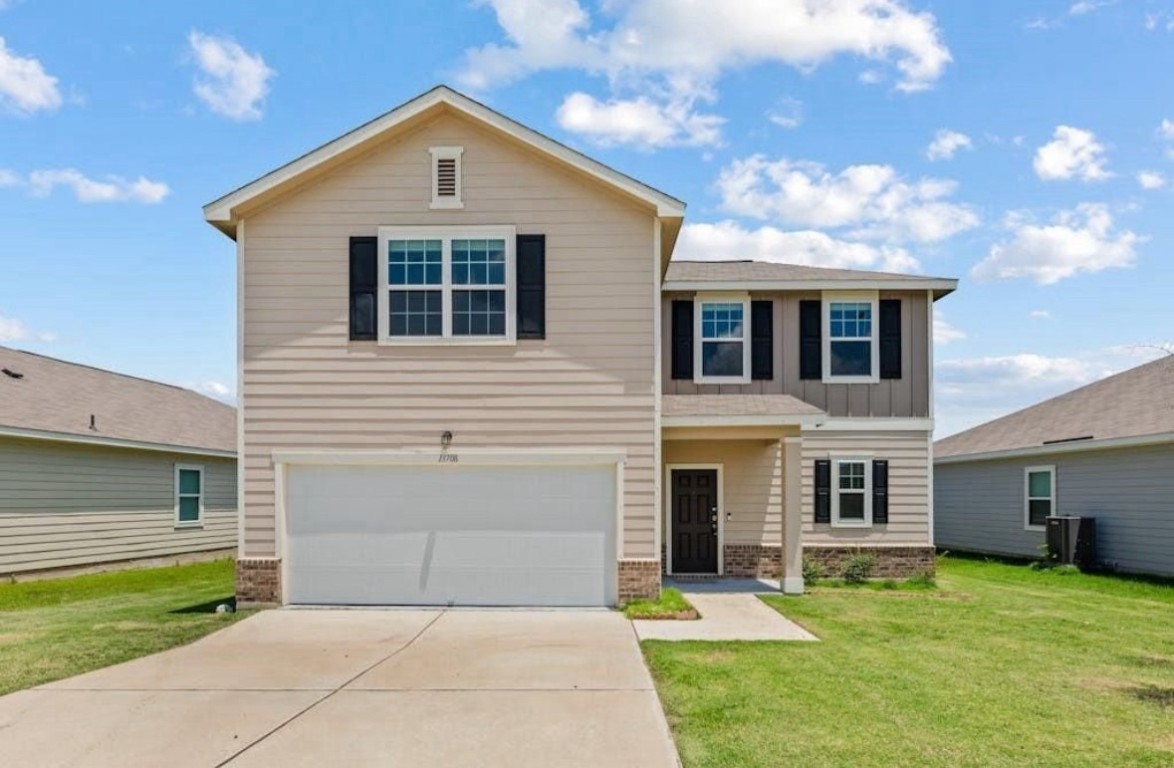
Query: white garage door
x=459 y=535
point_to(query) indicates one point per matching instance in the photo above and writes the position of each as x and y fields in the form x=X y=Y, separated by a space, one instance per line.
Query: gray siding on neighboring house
x=979 y=505
x=907 y=397
x=66 y=504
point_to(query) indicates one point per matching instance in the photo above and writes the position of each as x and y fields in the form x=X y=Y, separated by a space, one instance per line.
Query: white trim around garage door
x=667 y=512
x=477 y=457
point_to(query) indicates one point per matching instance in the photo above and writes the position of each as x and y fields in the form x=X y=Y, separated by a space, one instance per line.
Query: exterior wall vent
x=446 y=177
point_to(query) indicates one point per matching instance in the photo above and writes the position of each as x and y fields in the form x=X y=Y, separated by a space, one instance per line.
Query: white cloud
x=25 y=86
x=640 y=121
x=727 y=241
x=214 y=389
x=675 y=53
x=874 y=200
x=9 y=178
x=787 y=113
x=1151 y=180
x=232 y=81
x=1159 y=20
x=14 y=330
x=945 y=143
x=1079 y=240
x=1016 y=371
x=1084 y=7
x=111 y=189
x=1166 y=129
x=943 y=332
x=1071 y=153
x=1040 y=314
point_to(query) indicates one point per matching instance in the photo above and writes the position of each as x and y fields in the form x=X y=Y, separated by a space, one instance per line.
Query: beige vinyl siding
x=64 y=504
x=752 y=485
x=908 y=456
x=979 y=505
x=907 y=397
x=589 y=383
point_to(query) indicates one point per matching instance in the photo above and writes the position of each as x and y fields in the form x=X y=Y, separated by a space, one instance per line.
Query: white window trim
x=698 y=343
x=447 y=235
x=199 y=521
x=859 y=297
x=836 y=521
x=1027 y=497
x=446 y=153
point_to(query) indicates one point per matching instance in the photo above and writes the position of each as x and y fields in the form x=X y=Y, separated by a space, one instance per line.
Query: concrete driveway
x=341 y=687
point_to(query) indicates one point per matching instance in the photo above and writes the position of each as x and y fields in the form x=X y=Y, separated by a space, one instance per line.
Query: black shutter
x=880 y=491
x=890 y=338
x=682 y=338
x=364 y=286
x=531 y=286
x=762 y=339
x=810 y=341
x=823 y=490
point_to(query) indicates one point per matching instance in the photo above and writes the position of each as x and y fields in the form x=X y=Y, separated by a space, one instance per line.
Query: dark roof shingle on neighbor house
x=44 y=394
x=1135 y=403
x=684 y=272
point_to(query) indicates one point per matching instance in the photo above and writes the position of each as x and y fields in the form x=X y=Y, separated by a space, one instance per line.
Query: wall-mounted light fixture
x=445 y=439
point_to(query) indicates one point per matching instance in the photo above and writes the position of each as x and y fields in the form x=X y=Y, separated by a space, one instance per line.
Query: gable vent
x=446 y=177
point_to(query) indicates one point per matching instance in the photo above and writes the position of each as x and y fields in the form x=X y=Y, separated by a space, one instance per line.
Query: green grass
x=672 y=604
x=61 y=627
x=1001 y=665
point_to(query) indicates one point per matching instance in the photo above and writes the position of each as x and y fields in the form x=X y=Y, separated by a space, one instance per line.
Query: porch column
x=792 y=582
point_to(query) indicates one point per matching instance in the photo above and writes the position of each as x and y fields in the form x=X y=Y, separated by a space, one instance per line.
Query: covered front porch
x=733 y=486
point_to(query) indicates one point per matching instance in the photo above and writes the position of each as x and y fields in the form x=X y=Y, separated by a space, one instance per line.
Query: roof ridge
x=113 y=373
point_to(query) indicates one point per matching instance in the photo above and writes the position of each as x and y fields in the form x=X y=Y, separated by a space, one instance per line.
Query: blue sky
x=1025 y=147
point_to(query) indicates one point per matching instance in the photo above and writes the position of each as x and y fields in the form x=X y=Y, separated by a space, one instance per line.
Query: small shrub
x=813 y=572
x=889 y=584
x=858 y=568
x=1065 y=570
x=923 y=580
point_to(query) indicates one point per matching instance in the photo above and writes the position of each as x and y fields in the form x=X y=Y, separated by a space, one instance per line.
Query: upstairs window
x=446 y=177
x=446 y=284
x=850 y=345
x=723 y=350
x=1040 y=496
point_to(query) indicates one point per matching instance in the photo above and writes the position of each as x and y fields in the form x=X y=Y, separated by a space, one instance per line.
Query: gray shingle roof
x=730 y=271
x=1134 y=403
x=58 y=396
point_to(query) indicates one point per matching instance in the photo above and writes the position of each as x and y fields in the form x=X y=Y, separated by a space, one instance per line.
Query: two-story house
x=471 y=374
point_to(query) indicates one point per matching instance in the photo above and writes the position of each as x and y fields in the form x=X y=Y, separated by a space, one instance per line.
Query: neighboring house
x=470 y=374
x=99 y=467
x=1105 y=450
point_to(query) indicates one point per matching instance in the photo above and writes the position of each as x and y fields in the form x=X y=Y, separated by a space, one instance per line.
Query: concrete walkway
x=359 y=688
x=730 y=610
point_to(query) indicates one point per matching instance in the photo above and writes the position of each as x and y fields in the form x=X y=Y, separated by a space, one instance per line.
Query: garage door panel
x=435 y=536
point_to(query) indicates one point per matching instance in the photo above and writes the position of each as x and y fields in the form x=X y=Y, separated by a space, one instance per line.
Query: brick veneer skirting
x=753 y=561
x=889 y=562
x=258 y=581
x=639 y=578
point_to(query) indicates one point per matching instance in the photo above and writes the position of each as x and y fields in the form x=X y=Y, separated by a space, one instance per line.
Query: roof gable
x=222 y=213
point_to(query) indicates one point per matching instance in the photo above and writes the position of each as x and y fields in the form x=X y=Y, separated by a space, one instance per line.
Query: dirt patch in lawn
x=1162 y=696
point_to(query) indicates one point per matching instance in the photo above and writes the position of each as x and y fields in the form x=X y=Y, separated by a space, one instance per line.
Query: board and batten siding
x=752 y=485
x=979 y=505
x=590 y=383
x=907 y=397
x=66 y=504
x=908 y=457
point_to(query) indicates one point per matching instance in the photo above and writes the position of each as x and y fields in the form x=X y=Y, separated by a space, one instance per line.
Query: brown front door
x=694 y=522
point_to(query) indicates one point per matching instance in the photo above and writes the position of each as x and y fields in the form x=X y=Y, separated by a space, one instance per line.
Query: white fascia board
x=111 y=442
x=806 y=421
x=1081 y=446
x=809 y=285
x=220 y=210
x=877 y=424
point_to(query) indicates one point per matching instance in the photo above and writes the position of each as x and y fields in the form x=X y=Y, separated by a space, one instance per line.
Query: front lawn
x=61 y=627
x=1000 y=666
x=671 y=605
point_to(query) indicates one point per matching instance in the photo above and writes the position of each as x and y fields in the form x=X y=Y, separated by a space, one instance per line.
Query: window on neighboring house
x=850 y=340
x=722 y=349
x=446 y=177
x=189 y=494
x=448 y=284
x=1040 y=490
x=851 y=492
